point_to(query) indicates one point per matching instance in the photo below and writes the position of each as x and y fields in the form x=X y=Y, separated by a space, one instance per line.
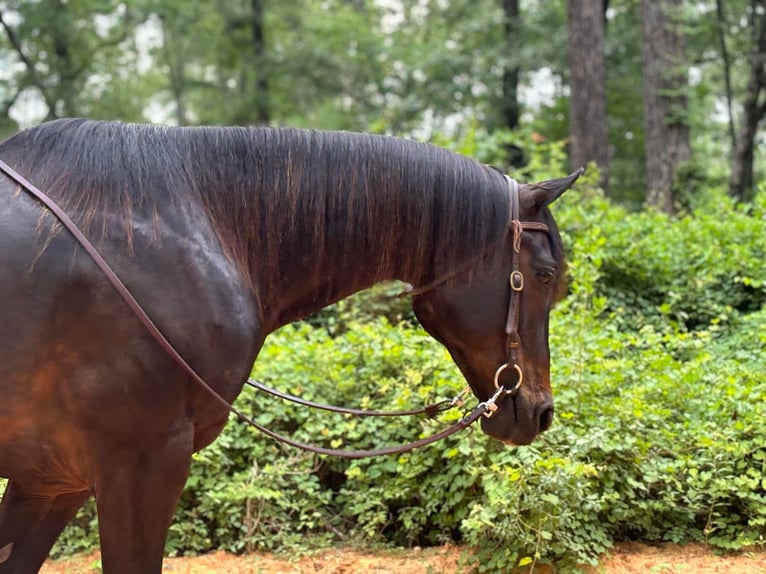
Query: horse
x=224 y=235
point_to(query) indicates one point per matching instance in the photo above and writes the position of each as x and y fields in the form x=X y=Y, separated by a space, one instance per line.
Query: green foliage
x=660 y=427
x=659 y=434
x=364 y=366
x=693 y=272
x=625 y=103
x=658 y=376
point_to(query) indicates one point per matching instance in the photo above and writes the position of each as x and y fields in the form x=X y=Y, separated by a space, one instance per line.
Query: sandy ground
x=623 y=559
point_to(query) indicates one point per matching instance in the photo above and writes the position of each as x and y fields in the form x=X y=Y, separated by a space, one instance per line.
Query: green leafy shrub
x=693 y=270
x=659 y=379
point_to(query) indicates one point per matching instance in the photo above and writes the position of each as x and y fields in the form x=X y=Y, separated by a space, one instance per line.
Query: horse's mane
x=340 y=194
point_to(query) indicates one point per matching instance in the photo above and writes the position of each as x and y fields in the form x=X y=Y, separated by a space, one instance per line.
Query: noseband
x=516 y=281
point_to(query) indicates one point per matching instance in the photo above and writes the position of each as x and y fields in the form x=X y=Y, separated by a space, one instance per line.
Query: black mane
x=343 y=195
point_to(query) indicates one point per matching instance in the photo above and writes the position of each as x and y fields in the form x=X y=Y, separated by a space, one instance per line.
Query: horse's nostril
x=546 y=418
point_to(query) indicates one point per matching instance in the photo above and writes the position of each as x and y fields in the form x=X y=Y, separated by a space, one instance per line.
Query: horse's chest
x=75 y=360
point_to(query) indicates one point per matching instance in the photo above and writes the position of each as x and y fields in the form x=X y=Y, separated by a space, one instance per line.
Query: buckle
x=517 y=280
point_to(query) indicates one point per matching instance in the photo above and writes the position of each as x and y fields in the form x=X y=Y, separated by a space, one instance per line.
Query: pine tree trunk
x=509 y=109
x=753 y=111
x=176 y=69
x=588 y=125
x=510 y=104
x=666 y=130
x=263 y=111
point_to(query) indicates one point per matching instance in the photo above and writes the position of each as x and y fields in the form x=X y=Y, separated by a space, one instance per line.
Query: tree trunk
x=66 y=88
x=509 y=107
x=753 y=111
x=721 y=32
x=176 y=68
x=666 y=130
x=587 y=118
x=263 y=112
x=510 y=103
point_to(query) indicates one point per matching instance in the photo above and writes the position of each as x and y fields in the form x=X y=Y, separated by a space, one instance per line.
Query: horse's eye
x=545 y=276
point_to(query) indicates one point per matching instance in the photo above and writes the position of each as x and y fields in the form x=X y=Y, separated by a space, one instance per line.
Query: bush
x=660 y=434
x=647 y=446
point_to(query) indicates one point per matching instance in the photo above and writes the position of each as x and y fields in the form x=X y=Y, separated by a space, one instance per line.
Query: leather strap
x=429 y=410
x=516 y=279
x=516 y=282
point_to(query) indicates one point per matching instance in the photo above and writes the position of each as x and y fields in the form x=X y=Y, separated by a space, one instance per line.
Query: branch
x=114 y=40
x=8 y=104
x=16 y=44
x=19 y=50
x=105 y=44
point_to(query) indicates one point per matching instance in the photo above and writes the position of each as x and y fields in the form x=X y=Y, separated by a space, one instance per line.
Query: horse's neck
x=326 y=215
x=301 y=296
x=309 y=276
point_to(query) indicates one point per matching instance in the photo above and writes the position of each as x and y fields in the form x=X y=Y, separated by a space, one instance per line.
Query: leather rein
x=485 y=408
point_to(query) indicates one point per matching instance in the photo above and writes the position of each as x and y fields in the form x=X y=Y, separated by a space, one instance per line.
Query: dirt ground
x=623 y=559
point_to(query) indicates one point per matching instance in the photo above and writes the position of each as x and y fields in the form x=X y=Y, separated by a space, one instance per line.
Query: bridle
x=516 y=281
x=485 y=408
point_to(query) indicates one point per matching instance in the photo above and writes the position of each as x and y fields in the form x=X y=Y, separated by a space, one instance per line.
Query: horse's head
x=494 y=320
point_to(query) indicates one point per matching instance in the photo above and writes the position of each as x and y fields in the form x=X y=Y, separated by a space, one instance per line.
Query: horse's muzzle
x=518 y=421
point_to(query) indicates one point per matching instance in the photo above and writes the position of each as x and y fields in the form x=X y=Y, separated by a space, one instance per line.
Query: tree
x=244 y=73
x=753 y=109
x=625 y=103
x=510 y=100
x=174 y=28
x=65 y=39
x=433 y=69
x=666 y=128
x=726 y=72
x=263 y=114
x=587 y=119
x=510 y=109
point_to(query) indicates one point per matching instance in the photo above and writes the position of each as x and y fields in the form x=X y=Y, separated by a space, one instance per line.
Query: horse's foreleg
x=136 y=494
x=29 y=525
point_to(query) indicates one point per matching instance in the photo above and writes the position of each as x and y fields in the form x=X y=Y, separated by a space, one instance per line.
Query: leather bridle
x=485 y=408
x=516 y=282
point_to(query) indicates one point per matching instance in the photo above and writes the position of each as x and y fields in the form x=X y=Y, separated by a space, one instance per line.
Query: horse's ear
x=546 y=192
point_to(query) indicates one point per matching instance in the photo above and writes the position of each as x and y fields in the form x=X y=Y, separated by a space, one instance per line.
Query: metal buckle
x=517 y=280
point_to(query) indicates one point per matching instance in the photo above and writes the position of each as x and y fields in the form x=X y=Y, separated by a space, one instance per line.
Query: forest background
x=657 y=358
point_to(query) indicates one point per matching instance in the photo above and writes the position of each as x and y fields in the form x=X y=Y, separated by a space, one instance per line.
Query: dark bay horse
x=224 y=235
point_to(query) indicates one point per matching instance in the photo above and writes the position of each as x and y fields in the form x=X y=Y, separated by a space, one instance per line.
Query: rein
x=429 y=410
x=485 y=408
